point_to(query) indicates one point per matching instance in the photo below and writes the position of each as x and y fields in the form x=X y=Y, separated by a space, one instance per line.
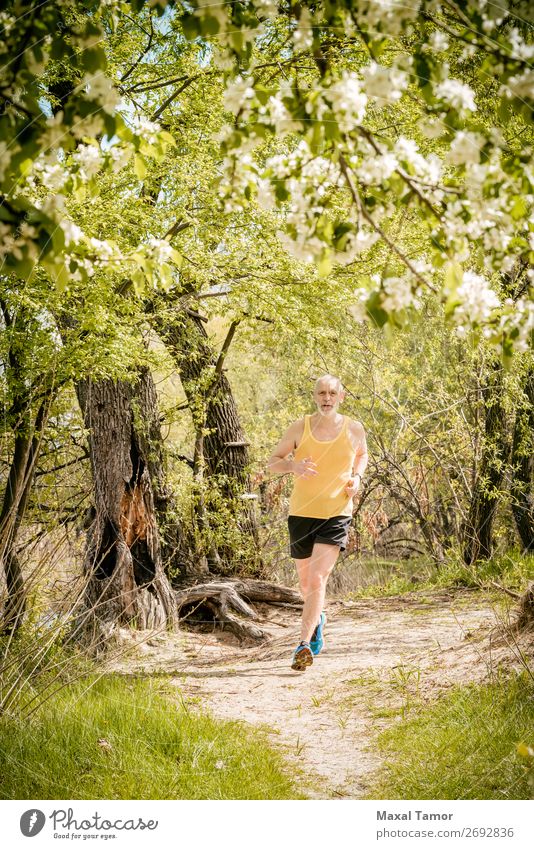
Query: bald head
x=328 y=378
x=328 y=394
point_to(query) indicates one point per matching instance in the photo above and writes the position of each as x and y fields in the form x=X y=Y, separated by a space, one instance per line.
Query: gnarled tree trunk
x=126 y=582
x=221 y=449
x=176 y=543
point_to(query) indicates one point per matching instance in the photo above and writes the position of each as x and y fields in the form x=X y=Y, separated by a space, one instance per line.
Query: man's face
x=328 y=395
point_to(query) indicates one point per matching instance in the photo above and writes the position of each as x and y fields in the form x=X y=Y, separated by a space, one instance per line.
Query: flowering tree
x=359 y=121
x=417 y=109
x=375 y=154
x=50 y=151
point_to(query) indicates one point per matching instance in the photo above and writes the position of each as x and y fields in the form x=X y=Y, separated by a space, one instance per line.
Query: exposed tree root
x=226 y=598
x=525 y=618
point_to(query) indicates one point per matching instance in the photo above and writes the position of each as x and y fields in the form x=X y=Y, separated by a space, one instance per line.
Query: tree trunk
x=177 y=545
x=522 y=466
x=123 y=566
x=28 y=427
x=478 y=533
x=221 y=450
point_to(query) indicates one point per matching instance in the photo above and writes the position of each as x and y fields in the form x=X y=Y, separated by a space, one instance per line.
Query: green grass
x=391 y=578
x=154 y=748
x=470 y=744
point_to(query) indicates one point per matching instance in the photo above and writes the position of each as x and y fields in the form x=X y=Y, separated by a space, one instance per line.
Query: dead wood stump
x=525 y=619
x=228 y=602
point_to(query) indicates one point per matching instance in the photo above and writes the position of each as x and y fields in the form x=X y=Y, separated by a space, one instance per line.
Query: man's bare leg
x=303 y=572
x=315 y=577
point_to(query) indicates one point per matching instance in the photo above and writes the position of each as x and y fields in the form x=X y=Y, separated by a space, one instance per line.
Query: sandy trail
x=379 y=654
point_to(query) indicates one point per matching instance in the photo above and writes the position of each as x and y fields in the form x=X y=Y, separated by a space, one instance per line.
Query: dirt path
x=379 y=655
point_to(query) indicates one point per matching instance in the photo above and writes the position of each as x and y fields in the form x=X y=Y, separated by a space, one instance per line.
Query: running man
x=327 y=454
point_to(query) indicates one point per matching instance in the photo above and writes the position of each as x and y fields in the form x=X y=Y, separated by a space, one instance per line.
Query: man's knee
x=317 y=580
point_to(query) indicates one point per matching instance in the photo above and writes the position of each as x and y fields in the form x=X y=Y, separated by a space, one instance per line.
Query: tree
x=125 y=578
x=221 y=460
x=30 y=396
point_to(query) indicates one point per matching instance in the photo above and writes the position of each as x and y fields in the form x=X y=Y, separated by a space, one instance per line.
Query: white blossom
x=465 y=148
x=5 y=157
x=52 y=204
x=101 y=89
x=459 y=95
x=303 y=35
x=90 y=126
x=55 y=131
x=521 y=85
x=53 y=177
x=72 y=232
x=389 y=16
x=103 y=250
x=35 y=66
x=9 y=245
x=496 y=239
x=146 y=129
x=89 y=160
x=407 y=151
x=386 y=84
x=348 y=101
x=161 y=249
x=397 y=294
x=238 y=94
x=438 y=41
x=266 y=8
x=120 y=156
x=376 y=169
x=281 y=117
x=432 y=128
x=520 y=49
x=266 y=198
x=358 y=309
x=357 y=243
x=477 y=299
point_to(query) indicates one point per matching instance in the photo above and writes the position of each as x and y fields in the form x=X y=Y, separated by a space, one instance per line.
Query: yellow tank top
x=323 y=496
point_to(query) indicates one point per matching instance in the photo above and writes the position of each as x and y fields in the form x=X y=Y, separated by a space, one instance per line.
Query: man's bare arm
x=279 y=462
x=357 y=435
x=362 y=458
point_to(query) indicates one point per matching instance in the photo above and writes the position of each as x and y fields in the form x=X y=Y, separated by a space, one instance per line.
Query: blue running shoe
x=302 y=657
x=317 y=640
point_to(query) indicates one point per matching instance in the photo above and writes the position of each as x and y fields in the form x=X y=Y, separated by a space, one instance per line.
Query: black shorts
x=305 y=531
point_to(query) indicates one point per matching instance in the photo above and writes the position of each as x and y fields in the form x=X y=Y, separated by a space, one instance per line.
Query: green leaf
x=165 y=274
x=324 y=266
x=138 y=280
x=191 y=26
x=209 y=25
x=519 y=208
x=375 y=309
x=93 y=60
x=25 y=167
x=139 y=167
x=281 y=193
x=453 y=275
